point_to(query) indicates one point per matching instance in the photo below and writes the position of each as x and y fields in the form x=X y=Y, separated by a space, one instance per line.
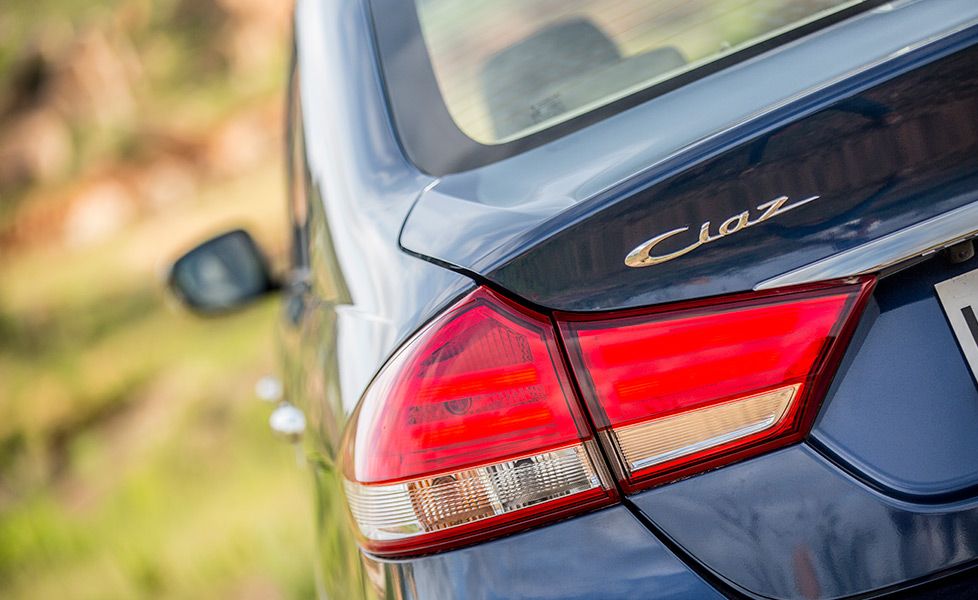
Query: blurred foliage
x=134 y=460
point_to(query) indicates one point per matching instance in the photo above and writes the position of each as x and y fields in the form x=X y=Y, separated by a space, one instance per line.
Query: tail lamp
x=471 y=429
x=690 y=387
x=474 y=428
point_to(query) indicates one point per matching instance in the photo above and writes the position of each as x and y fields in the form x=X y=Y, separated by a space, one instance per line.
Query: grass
x=182 y=493
x=135 y=460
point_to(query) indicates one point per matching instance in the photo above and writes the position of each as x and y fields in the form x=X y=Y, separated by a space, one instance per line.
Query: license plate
x=959 y=296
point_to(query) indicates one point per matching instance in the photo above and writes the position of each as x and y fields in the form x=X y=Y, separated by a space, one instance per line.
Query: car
x=620 y=299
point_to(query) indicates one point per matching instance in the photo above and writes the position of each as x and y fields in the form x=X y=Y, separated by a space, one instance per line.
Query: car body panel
x=606 y=554
x=791 y=524
x=903 y=413
x=360 y=295
x=884 y=147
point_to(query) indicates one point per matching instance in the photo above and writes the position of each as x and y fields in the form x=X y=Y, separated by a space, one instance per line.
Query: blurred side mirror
x=222 y=274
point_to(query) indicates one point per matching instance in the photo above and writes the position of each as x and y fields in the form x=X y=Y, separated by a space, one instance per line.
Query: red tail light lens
x=472 y=429
x=690 y=387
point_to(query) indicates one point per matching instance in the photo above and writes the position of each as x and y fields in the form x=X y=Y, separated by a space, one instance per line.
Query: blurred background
x=134 y=459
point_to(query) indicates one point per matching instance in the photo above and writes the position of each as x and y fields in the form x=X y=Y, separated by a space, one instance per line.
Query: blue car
x=623 y=299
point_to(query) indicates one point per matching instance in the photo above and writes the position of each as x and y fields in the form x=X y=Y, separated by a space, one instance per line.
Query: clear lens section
x=654 y=442
x=421 y=506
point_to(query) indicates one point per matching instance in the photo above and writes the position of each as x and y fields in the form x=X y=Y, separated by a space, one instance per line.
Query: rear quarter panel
x=362 y=295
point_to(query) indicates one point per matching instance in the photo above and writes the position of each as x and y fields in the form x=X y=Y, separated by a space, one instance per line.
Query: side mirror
x=222 y=274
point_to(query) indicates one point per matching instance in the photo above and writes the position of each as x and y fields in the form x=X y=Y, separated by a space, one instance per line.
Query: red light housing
x=471 y=430
x=692 y=386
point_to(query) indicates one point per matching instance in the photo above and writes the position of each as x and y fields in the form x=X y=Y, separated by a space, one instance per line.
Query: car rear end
x=719 y=337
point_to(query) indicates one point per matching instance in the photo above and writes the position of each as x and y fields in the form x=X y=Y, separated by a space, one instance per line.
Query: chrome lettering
x=642 y=255
x=741 y=221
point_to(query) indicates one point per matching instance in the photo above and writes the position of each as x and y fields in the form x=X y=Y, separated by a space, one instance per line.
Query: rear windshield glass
x=508 y=68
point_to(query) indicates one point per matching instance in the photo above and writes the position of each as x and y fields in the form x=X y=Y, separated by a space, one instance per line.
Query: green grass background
x=135 y=461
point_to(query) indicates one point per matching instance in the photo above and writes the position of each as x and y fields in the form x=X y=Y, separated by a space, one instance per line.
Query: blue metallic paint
x=883 y=254
x=607 y=554
x=903 y=412
x=360 y=295
x=791 y=524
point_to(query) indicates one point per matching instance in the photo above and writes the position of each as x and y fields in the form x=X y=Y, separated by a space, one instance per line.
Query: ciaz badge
x=642 y=255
